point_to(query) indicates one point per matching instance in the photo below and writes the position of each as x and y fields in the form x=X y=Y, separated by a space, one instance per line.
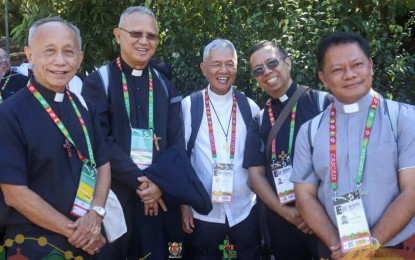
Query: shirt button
x=139 y=107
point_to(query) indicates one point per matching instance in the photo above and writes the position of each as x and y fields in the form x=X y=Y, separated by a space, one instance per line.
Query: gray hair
x=218 y=44
x=43 y=21
x=135 y=9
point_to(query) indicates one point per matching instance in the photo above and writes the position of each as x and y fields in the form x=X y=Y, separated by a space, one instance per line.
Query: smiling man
x=290 y=237
x=141 y=116
x=55 y=174
x=362 y=153
x=216 y=152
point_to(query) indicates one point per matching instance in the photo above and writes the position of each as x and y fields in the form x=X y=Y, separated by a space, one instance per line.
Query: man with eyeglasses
x=10 y=81
x=141 y=115
x=290 y=238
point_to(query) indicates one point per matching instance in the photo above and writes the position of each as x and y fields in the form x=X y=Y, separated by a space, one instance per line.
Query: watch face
x=100 y=211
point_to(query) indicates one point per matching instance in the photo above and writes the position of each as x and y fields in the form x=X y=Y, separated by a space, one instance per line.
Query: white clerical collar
x=59 y=97
x=137 y=73
x=351 y=108
x=213 y=95
x=283 y=98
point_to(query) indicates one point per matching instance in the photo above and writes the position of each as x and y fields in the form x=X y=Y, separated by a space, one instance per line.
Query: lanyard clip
x=358 y=188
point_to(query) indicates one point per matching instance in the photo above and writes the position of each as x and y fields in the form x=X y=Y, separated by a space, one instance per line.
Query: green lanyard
x=332 y=130
x=292 y=126
x=127 y=96
x=61 y=126
x=4 y=87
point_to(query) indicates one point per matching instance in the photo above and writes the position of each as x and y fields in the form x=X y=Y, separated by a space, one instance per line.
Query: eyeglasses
x=140 y=35
x=4 y=59
x=271 y=64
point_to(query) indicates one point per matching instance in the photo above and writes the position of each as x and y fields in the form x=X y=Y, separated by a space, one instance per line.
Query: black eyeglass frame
x=140 y=35
x=270 y=64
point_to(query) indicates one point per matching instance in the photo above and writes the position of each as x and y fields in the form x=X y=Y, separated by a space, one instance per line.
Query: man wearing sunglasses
x=290 y=238
x=141 y=115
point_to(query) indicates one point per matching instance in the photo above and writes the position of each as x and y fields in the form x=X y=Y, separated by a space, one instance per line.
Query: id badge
x=142 y=147
x=352 y=222
x=222 y=183
x=285 y=188
x=85 y=191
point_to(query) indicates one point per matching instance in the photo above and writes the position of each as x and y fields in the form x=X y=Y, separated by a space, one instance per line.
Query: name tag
x=85 y=191
x=285 y=188
x=351 y=222
x=222 y=183
x=142 y=147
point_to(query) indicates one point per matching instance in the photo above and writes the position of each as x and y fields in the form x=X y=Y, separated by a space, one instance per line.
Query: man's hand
x=87 y=230
x=187 y=219
x=148 y=191
x=96 y=247
x=336 y=251
x=292 y=215
x=152 y=208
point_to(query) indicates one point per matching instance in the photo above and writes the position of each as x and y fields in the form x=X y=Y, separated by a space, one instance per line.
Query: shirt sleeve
x=12 y=151
x=303 y=171
x=406 y=137
x=254 y=147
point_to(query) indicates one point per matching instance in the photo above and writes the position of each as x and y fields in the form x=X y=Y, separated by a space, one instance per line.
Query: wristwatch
x=99 y=210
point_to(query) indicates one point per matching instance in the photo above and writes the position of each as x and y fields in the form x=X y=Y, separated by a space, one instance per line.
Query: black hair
x=265 y=43
x=338 y=38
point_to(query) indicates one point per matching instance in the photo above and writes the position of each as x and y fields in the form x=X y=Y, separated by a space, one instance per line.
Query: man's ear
x=323 y=79
x=29 y=55
x=116 y=33
x=203 y=68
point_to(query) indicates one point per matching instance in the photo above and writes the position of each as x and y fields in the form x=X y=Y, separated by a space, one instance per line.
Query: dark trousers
x=289 y=243
x=207 y=238
x=156 y=232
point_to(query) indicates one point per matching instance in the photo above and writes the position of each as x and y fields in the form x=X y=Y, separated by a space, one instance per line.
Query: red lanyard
x=210 y=126
x=368 y=129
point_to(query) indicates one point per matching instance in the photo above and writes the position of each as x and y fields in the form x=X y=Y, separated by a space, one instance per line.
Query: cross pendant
x=156 y=141
x=67 y=145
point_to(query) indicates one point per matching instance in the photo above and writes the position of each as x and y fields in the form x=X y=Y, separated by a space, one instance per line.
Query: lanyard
x=210 y=126
x=292 y=126
x=61 y=126
x=127 y=96
x=4 y=87
x=368 y=129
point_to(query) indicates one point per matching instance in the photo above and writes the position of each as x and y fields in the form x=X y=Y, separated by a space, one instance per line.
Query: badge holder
x=142 y=147
x=222 y=183
x=352 y=222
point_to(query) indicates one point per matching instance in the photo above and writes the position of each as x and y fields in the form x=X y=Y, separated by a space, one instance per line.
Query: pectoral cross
x=67 y=145
x=283 y=156
x=156 y=142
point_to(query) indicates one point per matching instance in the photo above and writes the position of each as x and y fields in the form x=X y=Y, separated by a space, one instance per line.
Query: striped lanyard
x=292 y=126
x=127 y=96
x=4 y=87
x=368 y=129
x=210 y=126
x=62 y=127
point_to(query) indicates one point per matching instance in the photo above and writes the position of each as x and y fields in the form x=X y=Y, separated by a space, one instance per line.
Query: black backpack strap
x=196 y=114
x=244 y=106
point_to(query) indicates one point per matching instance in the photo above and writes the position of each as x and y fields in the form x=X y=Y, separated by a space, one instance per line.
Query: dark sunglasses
x=140 y=35
x=271 y=64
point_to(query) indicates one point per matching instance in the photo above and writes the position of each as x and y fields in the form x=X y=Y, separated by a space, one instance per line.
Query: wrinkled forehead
x=53 y=32
x=139 y=21
x=3 y=53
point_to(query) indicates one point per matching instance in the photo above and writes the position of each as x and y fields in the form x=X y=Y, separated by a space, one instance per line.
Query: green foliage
x=298 y=25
